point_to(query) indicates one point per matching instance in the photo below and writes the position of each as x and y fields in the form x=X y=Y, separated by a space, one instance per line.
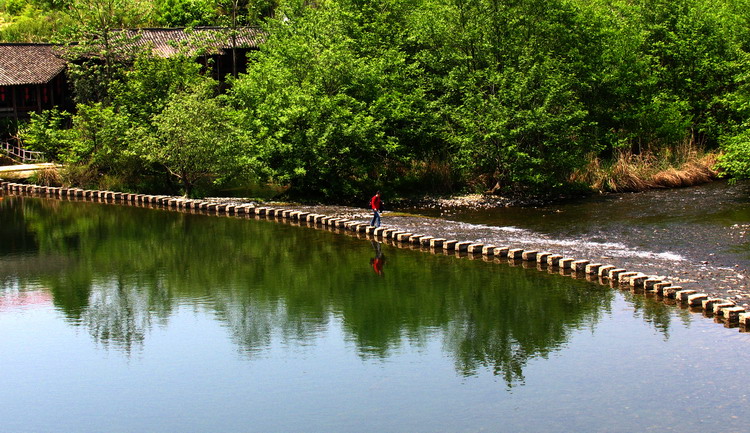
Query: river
x=117 y=318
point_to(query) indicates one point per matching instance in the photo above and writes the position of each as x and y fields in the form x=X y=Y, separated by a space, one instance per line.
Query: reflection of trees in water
x=656 y=313
x=119 y=314
x=255 y=324
x=251 y=326
x=269 y=282
x=16 y=238
x=503 y=328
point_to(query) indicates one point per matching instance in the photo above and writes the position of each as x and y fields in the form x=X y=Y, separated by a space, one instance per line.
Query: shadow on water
x=128 y=269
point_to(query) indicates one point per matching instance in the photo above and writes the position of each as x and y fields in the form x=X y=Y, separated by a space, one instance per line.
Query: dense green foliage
x=513 y=93
x=47 y=20
x=346 y=96
x=195 y=138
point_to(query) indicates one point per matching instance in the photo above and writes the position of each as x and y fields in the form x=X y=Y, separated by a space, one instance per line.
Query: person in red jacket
x=378 y=261
x=377 y=206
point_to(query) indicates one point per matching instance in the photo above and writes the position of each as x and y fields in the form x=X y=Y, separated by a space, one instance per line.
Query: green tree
x=194 y=138
x=332 y=103
x=185 y=13
x=146 y=86
x=96 y=140
x=98 y=49
x=669 y=66
x=102 y=153
x=49 y=132
x=735 y=159
x=527 y=128
x=511 y=80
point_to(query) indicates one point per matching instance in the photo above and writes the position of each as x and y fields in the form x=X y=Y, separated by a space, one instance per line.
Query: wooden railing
x=20 y=153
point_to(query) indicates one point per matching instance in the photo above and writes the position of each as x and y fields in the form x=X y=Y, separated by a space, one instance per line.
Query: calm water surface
x=122 y=319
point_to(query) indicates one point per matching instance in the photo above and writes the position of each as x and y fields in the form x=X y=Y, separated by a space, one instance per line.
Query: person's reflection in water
x=378 y=261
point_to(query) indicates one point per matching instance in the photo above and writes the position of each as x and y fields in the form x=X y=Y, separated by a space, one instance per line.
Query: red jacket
x=376 y=203
x=377 y=266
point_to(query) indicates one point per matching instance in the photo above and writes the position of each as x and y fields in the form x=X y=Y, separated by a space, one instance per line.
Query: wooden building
x=221 y=50
x=32 y=76
x=32 y=79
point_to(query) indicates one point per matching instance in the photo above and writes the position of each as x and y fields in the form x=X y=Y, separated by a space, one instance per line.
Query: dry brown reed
x=48 y=177
x=691 y=173
x=631 y=173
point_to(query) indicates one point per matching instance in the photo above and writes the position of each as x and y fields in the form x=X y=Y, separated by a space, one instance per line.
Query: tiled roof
x=167 y=42
x=29 y=64
x=39 y=63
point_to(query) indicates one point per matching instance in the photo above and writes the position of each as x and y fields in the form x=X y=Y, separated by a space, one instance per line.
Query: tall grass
x=46 y=177
x=681 y=166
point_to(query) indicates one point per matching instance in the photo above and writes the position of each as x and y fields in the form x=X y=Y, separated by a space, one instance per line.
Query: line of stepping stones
x=725 y=310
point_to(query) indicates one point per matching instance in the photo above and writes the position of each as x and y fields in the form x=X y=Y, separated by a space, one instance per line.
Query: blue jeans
x=375 y=219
